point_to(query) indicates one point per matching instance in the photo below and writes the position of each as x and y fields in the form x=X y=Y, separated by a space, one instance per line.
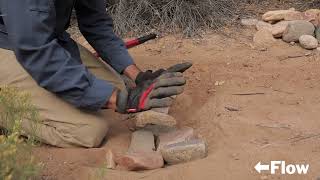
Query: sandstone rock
x=263 y=39
x=315 y=15
x=295 y=29
x=279 y=28
x=317 y=32
x=293 y=16
x=263 y=26
x=184 y=151
x=176 y=136
x=152 y=117
x=142 y=141
x=249 y=22
x=308 y=42
x=110 y=160
x=158 y=129
x=140 y=161
x=277 y=15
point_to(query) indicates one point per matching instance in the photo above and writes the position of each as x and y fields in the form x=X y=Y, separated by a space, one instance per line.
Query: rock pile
x=290 y=25
x=157 y=142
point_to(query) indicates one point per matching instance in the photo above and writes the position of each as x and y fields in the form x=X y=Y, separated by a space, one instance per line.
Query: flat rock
x=140 y=161
x=277 y=15
x=142 y=141
x=308 y=42
x=263 y=39
x=158 y=129
x=261 y=25
x=110 y=160
x=151 y=117
x=176 y=136
x=279 y=28
x=295 y=29
x=161 y=110
x=249 y=22
x=184 y=151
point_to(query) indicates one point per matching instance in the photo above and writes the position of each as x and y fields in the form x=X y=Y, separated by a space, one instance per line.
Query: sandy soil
x=280 y=124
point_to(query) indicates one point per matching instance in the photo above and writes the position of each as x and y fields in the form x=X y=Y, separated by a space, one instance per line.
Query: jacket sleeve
x=30 y=25
x=97 y=28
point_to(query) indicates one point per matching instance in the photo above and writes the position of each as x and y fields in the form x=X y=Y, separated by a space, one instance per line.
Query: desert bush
x=16 y=160
x=187 y=16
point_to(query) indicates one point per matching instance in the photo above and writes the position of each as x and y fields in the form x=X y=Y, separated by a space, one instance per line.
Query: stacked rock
x=290 y=25
x=157 y=142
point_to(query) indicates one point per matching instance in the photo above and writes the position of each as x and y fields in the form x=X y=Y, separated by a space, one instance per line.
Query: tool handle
x=140 y=40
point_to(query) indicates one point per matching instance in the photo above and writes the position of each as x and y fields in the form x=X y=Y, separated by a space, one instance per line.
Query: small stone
x=184 y=151
x=295 y=29
x=292 y=43
x=308 y=42
x=142 y=141
x=140 y=161
x=317 y=32
x=263 y=39
x=277 y=15
x=318 y=49
x=263 y=26
x=158 y=129
x=249 y=22
x=110 y=160
x=152 y=117
x=176 y=136
x=279 y=28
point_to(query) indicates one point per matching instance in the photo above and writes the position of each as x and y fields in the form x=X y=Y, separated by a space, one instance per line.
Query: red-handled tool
x=135 y=42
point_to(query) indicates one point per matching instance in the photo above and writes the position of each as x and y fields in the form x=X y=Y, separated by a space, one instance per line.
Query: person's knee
x=92 y=135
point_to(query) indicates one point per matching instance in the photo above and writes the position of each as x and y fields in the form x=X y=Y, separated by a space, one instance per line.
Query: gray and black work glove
x=150 y=75
x=151 y=93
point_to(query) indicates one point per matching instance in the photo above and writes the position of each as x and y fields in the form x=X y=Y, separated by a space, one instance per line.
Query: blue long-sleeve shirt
x=35 y=31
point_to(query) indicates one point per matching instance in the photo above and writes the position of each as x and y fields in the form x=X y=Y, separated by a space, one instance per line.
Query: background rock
x=279 y=28
x=295 y=29
x=277 y=15
x=263 y=39
x=317 y=32
x=308 y=42
x=263 y=26
x=249 y=22
x=176 y=136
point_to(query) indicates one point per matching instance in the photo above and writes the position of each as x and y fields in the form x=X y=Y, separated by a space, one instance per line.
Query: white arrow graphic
x=259 y=167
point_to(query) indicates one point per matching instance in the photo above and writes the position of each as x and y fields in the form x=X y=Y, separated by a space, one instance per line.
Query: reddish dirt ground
x=280 y=124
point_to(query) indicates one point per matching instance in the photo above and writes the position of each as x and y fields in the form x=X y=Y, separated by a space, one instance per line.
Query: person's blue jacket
x=35 y=31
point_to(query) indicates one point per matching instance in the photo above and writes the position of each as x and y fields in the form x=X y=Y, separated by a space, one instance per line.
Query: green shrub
x=16 y=160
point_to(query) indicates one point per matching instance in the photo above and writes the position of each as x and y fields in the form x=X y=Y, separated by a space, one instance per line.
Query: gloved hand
x=149 y=75
x=151 y=93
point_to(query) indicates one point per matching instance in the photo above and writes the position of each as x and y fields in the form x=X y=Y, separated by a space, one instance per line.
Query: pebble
x=110 y=160
x=308 y=42
x=261 y=25
x=263 y=39
x=279 y=28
